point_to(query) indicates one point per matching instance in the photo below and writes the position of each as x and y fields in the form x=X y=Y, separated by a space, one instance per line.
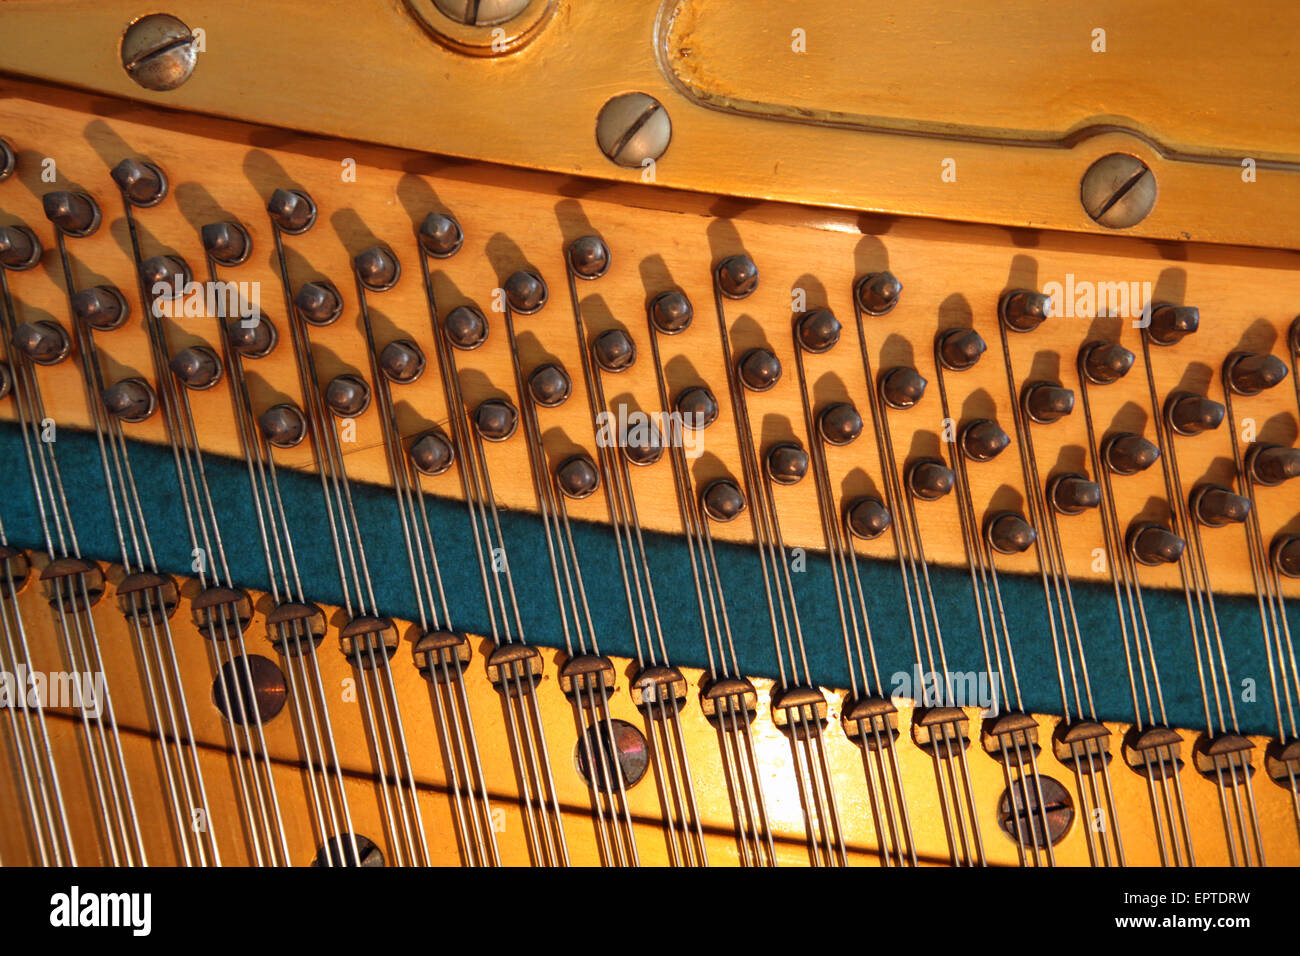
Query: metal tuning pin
x=526 y=292
x=102 y=307
x=1170 y=324
x=722 y=500
x=73 y=214
x=319 y=302
x=1152 y=544
x=440 y=236
x=347 y=395
x=867 y=517
x=292 y=211
x=786 y=463
x=1104 y=363
x=960 y=349
x=902 y=387
x=402 y=362
x=698 y=407
x=983 y=440
x=6 y=381
x=130 y=400
x=142 y=183
x=1007 y=532
x=878 y=293
x=8 y=161
x=550 y=385
x=736 y=277
x=496 y=419
x=614 y=351
x=1286 y=555
x=377 y=268
x=432 y=454
x=1190 y=414
x=283 y=425
x=1252 y=374
x=1215 y=506
x=465 y=328
x=197 y=368
x=929 y=479
x=588 y=257
x=1129 y=454
x=1073 y=494
x=1047 y=402
x=43 y=342
x=577 y=477
x=19 y=248
x=227 y=243
x=671 y=312
x=1022 y=310
x=759 y=369
x=1271 y=464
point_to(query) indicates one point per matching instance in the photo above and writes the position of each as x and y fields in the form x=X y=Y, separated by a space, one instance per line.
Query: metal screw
x=633 y=127
x=158 y=52
x=620 y=742
x=1118 y=191
x=481 y=13
x=1057 y=811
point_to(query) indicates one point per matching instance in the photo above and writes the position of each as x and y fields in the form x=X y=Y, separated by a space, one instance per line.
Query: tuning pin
x=839 y=423
x=614 y=350
x=1170 y=323
x=1252 y=374
x=8 y=161
x=6 y=376
x=73 y=214
x=19 y=248
x=643 y=450
x=671 y=312
x=143 y=184
x=736 y=276
x=1023 y=310
x=252 y=338
x=402 y=361
x=292 y=211
x=697 y=406
x=1150 y=544
x=1273 y=464
x=1106 y=362
x=131 y=400
x=1191 y=414
x=983 y=440
x=588 y=257
x=1286 y=555
x=496 y=419
x=197 y=367
x=226 y=242
x=1048 y=402
x=440 y=236
x=878 y=292
x=431 y=453
x=577 y=476
x=1009 y=533
x=44 y=342
x=465 y=327
x=1073 y=494
x=377 y=268
x=1215 y=506
x=1127 y=454
x=722 y=499
x=867 y=517
x=902 y=387
x=319 y=302
x=929 y=479
x=550 y=385
x=760 y=369
x=819 y=330
x=102 y=307
x=526 y=292
x=166 y=277
x=786 y=463
x=960 y=349
x=283 y=425
x=347 y=396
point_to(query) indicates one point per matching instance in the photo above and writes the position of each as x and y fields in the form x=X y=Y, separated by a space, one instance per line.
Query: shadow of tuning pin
x=284 y=426
x=73 y=214
x=377 y=268
x=550 y=385
x=577 y=476
x=166 y=277
x=878 y=292
x=759 y=369
x=1009 y=533
x=929 y=479
x=319 y=302
x=526 y=292
x=401 y=361
x=1252 y=374
x=292 y=211
x=1215 y=506
x=1170 y=323
x=465 y=327
x=1106 y=362
x=786 y=463
x=226 y=242
x=496 y=419
x=8 y=161
x=698 y=407
x=196 y=367
x=983 y=440
x=6 y=381
x=1190 y=414
x=1073 y=494
x=614 y=351
x=1128 y=454
x=867 y=517
x=960 y=349
x=819 y=330
x=1023 y=310
x=440 y=235
x=588 y=257
x=902 y=386
x=130 y=400
x=839 y=423
x=1151 y=544
x=19 y=248
x=102 y=307
x=1273 y=464
x=1286 y=555
x=347 y=395
x=722 y=500
x=431 y=453
x=736 y=276
x=252 y=338
x=671 y=312
x=143 y=184
x=44 y=342
x=1048 y=402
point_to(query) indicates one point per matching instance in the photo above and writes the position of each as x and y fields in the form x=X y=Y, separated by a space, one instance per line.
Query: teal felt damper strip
x=377 y=514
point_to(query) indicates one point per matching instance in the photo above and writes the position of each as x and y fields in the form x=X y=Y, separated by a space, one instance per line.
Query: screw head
x=158 y=52
x=481 y=13
x=633 y=127
x=1118 y=191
